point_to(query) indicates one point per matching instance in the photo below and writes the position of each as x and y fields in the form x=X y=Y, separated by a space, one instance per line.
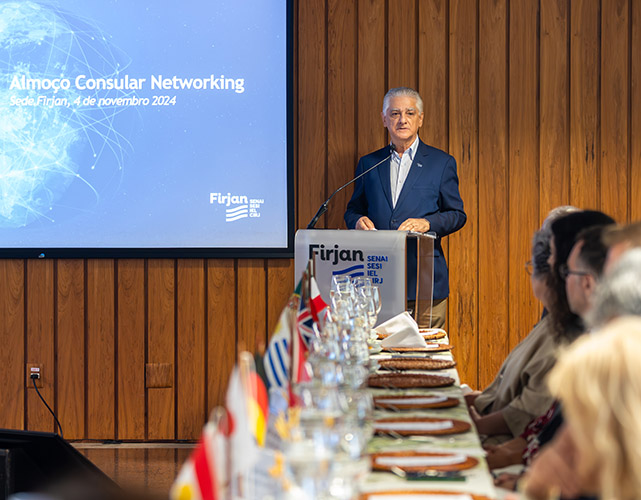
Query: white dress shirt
x=399 y=168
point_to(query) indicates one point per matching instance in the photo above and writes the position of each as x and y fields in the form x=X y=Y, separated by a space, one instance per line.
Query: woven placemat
x=458 y=426
x=408 y=380
x=409 y=363
x=467 y=464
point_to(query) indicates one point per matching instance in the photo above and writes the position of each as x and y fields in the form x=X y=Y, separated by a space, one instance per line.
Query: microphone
x=323 y=207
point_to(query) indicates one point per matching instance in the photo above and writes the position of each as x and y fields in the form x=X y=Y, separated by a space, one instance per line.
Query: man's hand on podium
x=365 y=223
x=417 y=225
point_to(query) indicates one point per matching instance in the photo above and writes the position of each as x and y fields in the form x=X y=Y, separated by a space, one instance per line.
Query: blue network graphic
x=56 y=160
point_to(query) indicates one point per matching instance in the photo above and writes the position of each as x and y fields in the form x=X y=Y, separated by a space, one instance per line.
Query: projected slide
x=143 y=124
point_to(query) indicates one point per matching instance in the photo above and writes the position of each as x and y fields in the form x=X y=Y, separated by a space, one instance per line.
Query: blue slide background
x=141 y=176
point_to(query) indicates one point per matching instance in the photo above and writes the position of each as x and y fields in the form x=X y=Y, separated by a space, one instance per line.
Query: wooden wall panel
x=161 y=335
x=280 y=283
x=401 y=44
x=341 y=108
x=432 y=80
x=523 y=171
x=584 y=104
x=312 y=99
x=372 y=80
x=433 y=71
x=463 y=121
x=12 y=338
x=221 y=328
x=554 y=166
x=493 y=188
x=101 y=352
x=614 y=109
x=70 y=346
x=634 y=186
x=131 y=355
x=191 y=345
x=252 y=304
x=40 y=342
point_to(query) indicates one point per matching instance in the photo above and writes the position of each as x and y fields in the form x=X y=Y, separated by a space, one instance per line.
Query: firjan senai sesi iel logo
x=237 y=206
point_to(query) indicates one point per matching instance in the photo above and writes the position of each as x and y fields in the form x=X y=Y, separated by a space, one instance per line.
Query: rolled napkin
x=401 y=331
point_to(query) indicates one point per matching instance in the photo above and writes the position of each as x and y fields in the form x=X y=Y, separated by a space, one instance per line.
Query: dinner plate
x=414 y=402
x=427 y=335
x=429 y=348
x=420 y=495
x=420 y=426
x=420 y=461
x=397 y=380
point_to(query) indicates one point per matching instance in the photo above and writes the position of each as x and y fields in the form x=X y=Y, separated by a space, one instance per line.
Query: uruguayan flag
x=277 y=360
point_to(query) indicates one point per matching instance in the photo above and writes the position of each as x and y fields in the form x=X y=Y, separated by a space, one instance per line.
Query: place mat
x=414 y=402
x=408 y=380
x=420 y=426
x=410 y=363
x=425 y=334
x=429 y=348
x=420 y=495
x=419 y=461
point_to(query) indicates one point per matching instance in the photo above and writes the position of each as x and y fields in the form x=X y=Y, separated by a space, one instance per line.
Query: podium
x=397 y=262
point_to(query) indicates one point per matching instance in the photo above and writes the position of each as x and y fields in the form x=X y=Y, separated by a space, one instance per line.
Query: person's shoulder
x=434 y=153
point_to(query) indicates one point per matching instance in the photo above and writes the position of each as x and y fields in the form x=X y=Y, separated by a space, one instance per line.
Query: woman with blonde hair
x=598 y=381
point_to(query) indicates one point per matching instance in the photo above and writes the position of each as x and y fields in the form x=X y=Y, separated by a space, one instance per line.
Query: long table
x=476 y=481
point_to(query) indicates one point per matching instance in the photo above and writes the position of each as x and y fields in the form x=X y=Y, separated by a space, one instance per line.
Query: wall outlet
x=33 y=368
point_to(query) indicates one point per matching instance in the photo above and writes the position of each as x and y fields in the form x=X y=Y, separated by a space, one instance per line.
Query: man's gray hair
x=619 y=292
x=402 y=92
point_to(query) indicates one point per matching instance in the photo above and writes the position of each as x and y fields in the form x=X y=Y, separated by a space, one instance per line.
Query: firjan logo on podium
x=239 y=206
x=354 y=260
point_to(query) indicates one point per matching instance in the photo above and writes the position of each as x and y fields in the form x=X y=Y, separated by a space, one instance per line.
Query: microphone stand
x=323 y=207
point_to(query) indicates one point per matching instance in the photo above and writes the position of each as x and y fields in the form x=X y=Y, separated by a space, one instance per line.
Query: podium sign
x=378 y=255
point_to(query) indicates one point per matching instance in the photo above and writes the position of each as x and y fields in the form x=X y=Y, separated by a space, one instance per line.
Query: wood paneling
x=312 y=103
x=614 y=108
x=371 y=76
x=40 y=341
x=131 y=349
x=191 y=346
x=101 y=350
x=493 y=185
x=584 y=103
x=464 y=146
x=70 y=347
x=635 y=113
x=161 y=335
x=341 y=109
x=554 y=164
x=539 y=101
x=401 y=44
x=523 y=166
x=12 y=339
x=252 y=304
x=221 y=328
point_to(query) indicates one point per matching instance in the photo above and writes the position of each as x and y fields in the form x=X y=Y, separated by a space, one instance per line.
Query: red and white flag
x=203 y=475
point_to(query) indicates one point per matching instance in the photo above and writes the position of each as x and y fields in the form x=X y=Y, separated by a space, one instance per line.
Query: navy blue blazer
x=431 y=191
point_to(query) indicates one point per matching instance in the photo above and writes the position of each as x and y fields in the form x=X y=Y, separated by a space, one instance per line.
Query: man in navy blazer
x=416 y=190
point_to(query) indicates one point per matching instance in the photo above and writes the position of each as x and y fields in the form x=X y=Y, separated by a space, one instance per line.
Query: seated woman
x=519 y=393
x=598 y=381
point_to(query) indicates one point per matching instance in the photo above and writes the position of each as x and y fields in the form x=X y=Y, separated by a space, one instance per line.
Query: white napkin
x=402 y=331
x=420 y=460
